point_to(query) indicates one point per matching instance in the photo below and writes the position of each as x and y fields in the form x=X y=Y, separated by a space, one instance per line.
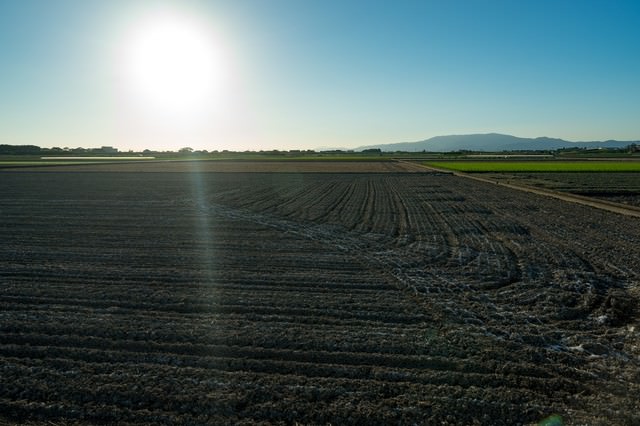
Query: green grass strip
x=537 y=166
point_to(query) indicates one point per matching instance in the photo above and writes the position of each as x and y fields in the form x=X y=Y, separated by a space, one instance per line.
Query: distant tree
x=19 y=149
x=372 y=151
x=185 y=150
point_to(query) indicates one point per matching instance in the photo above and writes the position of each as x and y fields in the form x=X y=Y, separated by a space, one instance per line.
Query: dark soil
x=311 y=298
x=617 y=187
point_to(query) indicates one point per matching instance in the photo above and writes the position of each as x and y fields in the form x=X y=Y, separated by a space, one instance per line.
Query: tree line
x=36 y=150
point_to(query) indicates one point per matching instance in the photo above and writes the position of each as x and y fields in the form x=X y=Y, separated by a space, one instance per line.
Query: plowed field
x=618 y=187
x=201 y=297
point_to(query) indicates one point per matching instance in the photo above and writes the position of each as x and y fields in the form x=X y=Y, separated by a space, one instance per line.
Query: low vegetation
x=537 y=166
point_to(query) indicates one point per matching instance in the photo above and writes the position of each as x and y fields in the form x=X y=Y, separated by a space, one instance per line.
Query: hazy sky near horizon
x=303 y=74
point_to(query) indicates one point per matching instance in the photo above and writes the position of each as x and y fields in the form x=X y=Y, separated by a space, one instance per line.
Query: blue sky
x=309 y=74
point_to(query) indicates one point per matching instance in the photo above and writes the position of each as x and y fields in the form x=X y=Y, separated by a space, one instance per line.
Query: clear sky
x=303 y=74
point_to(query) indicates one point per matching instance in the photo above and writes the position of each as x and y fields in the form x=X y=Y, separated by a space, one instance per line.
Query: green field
x=537 y=166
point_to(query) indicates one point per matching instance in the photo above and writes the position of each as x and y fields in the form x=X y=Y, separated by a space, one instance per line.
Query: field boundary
x=572 y=198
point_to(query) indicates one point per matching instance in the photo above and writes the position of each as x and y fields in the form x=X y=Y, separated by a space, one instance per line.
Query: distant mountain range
x=492 y=142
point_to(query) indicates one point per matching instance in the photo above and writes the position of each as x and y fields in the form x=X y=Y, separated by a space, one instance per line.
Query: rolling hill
x=492 y=142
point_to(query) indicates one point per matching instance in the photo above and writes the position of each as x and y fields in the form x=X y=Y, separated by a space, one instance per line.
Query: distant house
x=109 y=150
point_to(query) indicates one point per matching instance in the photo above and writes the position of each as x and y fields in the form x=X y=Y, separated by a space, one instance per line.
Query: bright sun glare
x=172 y=66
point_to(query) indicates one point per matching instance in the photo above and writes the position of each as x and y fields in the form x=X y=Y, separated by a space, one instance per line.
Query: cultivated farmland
x=539 y=166
x=622 y=188
x=612 y=180
x=365 y=293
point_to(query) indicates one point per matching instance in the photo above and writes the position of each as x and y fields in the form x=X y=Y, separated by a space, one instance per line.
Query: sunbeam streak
x=202 y=220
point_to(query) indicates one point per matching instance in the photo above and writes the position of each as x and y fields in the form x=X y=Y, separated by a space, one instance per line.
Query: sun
x=172 y=65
